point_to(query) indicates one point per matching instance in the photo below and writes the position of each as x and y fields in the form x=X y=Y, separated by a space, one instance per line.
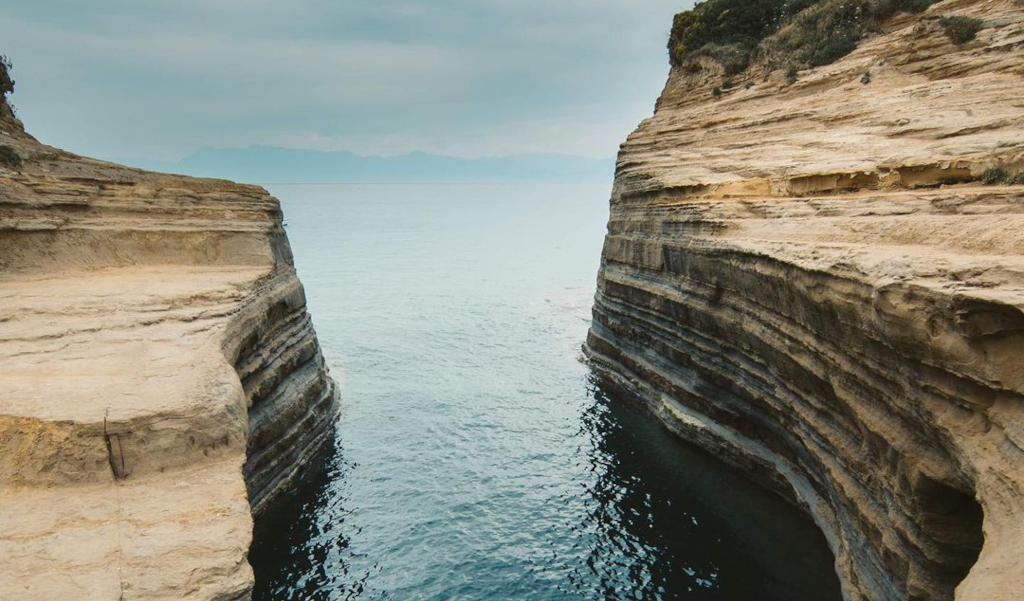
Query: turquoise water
x=475 y=457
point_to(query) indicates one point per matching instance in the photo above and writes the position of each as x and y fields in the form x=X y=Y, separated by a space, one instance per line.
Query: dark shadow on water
x=300 y=542
x=707 y=532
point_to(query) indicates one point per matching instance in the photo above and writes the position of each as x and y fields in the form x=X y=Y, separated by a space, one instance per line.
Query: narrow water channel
x=476 y=458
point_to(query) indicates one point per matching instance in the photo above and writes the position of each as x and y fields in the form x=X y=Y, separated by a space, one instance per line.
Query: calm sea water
x=475 y=457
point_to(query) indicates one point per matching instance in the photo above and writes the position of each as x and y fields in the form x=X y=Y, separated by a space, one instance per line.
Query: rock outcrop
x=161 y=378
x=812 y=280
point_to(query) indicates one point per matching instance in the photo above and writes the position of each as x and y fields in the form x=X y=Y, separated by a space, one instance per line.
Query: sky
x=160 y=80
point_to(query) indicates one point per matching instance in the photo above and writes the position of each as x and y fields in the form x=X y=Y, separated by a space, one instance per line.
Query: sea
x=476 y=457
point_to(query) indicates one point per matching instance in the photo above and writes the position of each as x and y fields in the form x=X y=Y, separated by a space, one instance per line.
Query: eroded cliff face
x=157 y=360
x=811 y=281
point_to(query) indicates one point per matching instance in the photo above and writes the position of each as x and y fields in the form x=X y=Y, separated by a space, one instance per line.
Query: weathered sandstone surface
x=811 y=281
x=160 y=378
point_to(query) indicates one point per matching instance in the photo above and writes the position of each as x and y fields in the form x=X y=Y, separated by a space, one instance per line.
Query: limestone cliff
x=157 y=361
x=822 y=281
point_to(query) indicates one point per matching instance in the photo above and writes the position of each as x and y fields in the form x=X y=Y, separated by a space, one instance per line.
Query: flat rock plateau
x=161 y=378
x=812 y=280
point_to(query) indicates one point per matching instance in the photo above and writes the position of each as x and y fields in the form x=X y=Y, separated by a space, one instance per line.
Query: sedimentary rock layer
x=810 y=280
x=157 y=360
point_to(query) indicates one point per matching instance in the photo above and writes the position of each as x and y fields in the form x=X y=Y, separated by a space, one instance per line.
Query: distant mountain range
x=270 y=164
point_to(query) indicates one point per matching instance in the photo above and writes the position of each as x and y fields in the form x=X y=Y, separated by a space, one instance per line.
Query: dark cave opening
x=952 y=519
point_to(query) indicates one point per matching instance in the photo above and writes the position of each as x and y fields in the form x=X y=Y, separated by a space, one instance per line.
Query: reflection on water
x=705 y=531
x=476 y=457
x=302 y=541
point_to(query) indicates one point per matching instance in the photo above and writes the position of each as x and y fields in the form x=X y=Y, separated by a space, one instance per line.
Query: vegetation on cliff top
x=8 y=157
x=805 y=33
x=6 y=83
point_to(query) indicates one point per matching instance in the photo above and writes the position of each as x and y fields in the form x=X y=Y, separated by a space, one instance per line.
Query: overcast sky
x=135 y=78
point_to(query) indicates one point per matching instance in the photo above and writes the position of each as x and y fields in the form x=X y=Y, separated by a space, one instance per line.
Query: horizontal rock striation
x=161 y=377
x=811 y=280
x=291 y=402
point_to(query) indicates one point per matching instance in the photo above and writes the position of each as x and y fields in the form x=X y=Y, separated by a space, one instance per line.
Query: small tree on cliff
x=8 y=157
x=6 y=83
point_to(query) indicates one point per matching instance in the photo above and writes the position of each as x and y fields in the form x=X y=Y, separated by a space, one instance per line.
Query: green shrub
x=734 y=58
x=9 y=158
x=995 y=175
x=6 y=83
x=716 y=92
x=961 y=30
x=916 y=6
x=738 y=23
x=814 y=32
x=792 y=74
x=749 y=85
x=1018 y=180
x=728 y=84
x=866 y=78
x=831 y=49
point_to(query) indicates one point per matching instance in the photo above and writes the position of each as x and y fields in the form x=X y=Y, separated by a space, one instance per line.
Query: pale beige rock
x=157 y=361
x=810 y=281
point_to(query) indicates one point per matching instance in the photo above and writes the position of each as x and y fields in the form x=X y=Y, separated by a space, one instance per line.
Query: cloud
x=469 y=77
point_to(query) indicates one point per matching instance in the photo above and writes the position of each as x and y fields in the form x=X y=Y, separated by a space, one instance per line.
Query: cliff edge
x=818 y=275
x=161 y=377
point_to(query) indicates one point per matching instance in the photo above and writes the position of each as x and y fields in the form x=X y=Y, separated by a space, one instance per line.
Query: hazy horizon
x=120 y=78
x=261 y=164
